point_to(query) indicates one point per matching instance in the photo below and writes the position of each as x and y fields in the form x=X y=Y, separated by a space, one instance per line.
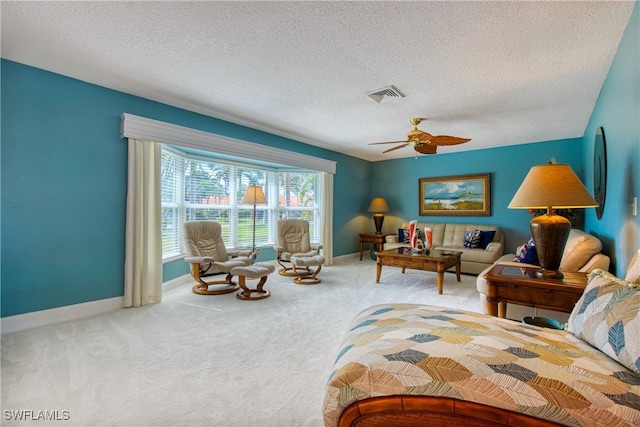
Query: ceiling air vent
x=386 y=92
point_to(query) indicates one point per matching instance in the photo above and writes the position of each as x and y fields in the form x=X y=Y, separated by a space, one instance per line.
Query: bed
x=421 y=365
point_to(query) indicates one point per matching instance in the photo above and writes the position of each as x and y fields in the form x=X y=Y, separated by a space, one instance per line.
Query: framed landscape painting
x=463 y=195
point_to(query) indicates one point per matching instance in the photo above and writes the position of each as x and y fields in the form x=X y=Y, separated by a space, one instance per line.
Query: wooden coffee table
x=430 y=260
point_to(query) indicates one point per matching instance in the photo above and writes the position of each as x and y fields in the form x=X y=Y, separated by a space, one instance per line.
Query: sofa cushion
x=579 y=249
x=633 y=270
x=472 y=239
x=474 y=254
x=607 y=316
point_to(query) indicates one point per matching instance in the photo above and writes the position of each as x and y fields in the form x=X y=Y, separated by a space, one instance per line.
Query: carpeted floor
x=207 y=360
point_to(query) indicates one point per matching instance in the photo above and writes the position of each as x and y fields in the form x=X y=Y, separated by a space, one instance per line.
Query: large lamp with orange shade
x=378 y=205
x=551 y=186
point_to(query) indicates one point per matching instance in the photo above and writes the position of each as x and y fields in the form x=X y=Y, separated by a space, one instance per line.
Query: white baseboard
x=177 y=282
x=20 y=322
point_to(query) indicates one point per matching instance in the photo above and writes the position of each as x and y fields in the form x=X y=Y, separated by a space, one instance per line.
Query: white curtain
x=327 y=217
x=143 y=254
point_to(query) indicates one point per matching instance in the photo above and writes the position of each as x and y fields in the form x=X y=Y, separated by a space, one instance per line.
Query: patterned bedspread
x=403 y=349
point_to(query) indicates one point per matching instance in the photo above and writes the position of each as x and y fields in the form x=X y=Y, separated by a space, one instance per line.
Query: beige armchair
x=293 y=243
x=208 y=257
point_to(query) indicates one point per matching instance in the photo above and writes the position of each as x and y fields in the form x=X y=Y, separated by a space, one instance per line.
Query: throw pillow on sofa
x=472 y=239
x=607 y=316
x=527 y=253
x=486 y=237
x=403 y=235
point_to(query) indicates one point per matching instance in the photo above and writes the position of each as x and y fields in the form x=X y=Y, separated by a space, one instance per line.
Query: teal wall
x=618 y=112
x=397 y=182
x=64 y=172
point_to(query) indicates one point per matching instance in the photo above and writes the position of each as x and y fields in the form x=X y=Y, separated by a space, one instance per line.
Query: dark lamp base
x=378 y=219
x=550 y=233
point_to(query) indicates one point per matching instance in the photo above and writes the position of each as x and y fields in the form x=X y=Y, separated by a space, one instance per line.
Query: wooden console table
x=519 y=285
x=375 y=238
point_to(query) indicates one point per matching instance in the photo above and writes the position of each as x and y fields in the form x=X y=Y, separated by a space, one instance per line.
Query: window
x=297 y=199
x=196 y=188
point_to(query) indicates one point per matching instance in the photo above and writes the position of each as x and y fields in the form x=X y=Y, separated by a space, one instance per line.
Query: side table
x=519 y=285
x=375 y=238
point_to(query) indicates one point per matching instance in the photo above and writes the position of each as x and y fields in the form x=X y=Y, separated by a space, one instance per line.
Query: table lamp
x=254 y=195
x=551 y=186
x=378 y=205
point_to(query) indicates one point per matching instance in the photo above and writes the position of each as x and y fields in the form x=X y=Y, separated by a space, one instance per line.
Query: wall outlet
x=634 y=206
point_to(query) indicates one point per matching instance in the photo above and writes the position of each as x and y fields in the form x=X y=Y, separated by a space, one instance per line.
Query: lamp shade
x=378 y=204
x=552 y=186
x=254 y=194
x=547 y=187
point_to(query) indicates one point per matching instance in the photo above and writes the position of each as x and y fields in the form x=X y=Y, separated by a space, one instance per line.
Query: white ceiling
x=500 y=73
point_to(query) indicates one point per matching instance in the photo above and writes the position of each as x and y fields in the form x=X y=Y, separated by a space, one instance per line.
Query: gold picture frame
x=460 y=195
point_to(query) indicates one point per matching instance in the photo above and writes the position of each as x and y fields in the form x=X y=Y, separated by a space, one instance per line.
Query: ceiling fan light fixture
x=422 y=141
x=386 y=92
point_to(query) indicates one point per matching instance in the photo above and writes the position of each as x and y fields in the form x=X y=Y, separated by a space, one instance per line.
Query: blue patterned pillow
x=528 y=254
x=607 y=316
x=403 y=235
x=472 y=239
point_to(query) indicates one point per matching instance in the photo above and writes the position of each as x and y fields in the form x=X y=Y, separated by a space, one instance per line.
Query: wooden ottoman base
x=258 y=270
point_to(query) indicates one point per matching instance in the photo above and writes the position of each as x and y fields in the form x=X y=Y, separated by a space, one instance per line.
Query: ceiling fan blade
x=388 y=142
x=448 y=140
x=426 y=148
x=396 y=148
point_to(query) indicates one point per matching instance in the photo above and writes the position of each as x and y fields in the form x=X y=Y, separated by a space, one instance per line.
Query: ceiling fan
x=422 y=141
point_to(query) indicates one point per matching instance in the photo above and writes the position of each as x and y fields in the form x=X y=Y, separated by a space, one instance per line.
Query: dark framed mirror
x=600 y=171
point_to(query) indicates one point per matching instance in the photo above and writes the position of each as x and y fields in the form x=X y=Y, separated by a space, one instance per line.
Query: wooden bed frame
x=430 y=411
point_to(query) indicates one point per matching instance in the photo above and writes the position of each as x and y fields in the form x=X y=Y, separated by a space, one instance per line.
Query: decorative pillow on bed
x=607 y=316
x=527 y=253
x=486 y=237
x=403 y=235
x=633 y=271
x=472 y=239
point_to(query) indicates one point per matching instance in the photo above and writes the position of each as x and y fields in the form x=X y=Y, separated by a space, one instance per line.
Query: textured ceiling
x=500 y=73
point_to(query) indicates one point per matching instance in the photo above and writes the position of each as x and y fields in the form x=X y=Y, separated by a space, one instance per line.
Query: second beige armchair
x=294 y=245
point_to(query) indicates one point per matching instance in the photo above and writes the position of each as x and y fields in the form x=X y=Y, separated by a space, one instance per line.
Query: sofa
x=452 y=237
x=581 y=254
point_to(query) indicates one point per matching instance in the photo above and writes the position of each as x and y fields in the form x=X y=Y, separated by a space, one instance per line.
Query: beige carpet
x=207 y=360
